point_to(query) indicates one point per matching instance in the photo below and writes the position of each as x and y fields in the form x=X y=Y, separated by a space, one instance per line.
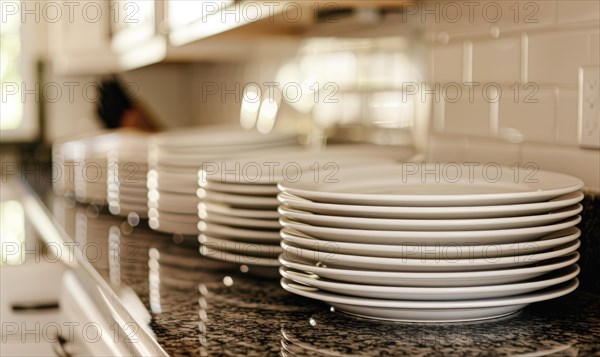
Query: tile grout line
x=467 y=61
x=524 y=57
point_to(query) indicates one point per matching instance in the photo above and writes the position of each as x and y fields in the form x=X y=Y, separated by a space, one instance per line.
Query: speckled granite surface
x=202 y=312
x=202 y=308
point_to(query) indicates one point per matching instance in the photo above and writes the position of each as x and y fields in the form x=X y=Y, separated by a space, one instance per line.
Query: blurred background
x=460 y=81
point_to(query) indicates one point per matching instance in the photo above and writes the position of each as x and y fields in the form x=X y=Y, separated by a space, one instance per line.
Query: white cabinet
x=79 y=39
x=138 y=34
x=101 y=36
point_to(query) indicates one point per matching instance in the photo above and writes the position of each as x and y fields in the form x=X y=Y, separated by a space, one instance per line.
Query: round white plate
x=139 y=198
x=125 y=211
x=498 y=236
x=244 y=248
x=431 y=212
x=128 y=201
x=173 y=173
x=420 y=184
x=173 y=227
x=178 y=198
x=238 y=212
x=244 y=189
x=270 y=167
x=433 y=293
x=173 y=202
x=187 y=161
x=240 y=234
x=129 y=188
x=430 y=311
x=238 y=258
x=173 y=217
x=218 y=136
x=336 y=260
x=185 y=188
x=244 y=201
x=429 y=224
x=433 y=279
x=423 y=251
x=252 y=223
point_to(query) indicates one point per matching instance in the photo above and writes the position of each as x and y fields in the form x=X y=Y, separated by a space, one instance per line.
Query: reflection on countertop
x=202 y=307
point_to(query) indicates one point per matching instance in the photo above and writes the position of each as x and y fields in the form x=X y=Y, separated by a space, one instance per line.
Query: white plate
x=240 y=234
x=173 y=173
x=125 y=210
x=239 y=222
x=416 y=184
x=185 y=188
x=430 y=311
x=178 y=198
x=432 y=279
x=237 y=258
x=238 y=212
x=129 y=188
x=244 y=189
x=498 y=236
x=429 y=224
x=423 y=251
x=433 y=293
x=215 y=136
x=270 y=167
x=173 y=202
x=173 y=227
x=244 y=248
x=173 y=217
x=336 y=260
x=431 y=212
x=172 y=183
x=139 y=195
x=128 y=200
x=244 y=201
x=187 y=161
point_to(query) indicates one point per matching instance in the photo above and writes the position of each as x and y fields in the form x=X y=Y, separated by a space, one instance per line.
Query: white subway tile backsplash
x=447 y=63
x=542 y=42
x=466 y=114
x=581 y=163
x=478 y=16
x=524 y=57
x=526 y=15
x=467 y=62
x=569 y=11
x=566 y=117
x=497 y=60
x=556 y=56
x=532 y=114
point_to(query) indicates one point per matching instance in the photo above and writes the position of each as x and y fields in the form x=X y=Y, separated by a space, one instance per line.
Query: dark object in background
x=117 y=109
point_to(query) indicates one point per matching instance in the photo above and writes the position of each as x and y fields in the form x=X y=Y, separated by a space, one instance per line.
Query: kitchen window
x=20 y=95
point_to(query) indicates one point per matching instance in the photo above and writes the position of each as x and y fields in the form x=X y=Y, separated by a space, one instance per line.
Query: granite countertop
x=201 y=307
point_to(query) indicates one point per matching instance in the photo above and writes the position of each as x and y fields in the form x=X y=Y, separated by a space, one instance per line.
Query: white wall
x=166 y=90
x=540 y=52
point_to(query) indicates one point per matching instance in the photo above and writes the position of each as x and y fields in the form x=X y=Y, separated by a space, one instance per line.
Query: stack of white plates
x=127 y=170
x=64 y=156
x=238 y=209
x=174 y=160
x=431 y=242
x=91 y=170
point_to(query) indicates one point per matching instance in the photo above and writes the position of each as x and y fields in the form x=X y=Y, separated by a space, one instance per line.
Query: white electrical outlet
x=589 y=107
